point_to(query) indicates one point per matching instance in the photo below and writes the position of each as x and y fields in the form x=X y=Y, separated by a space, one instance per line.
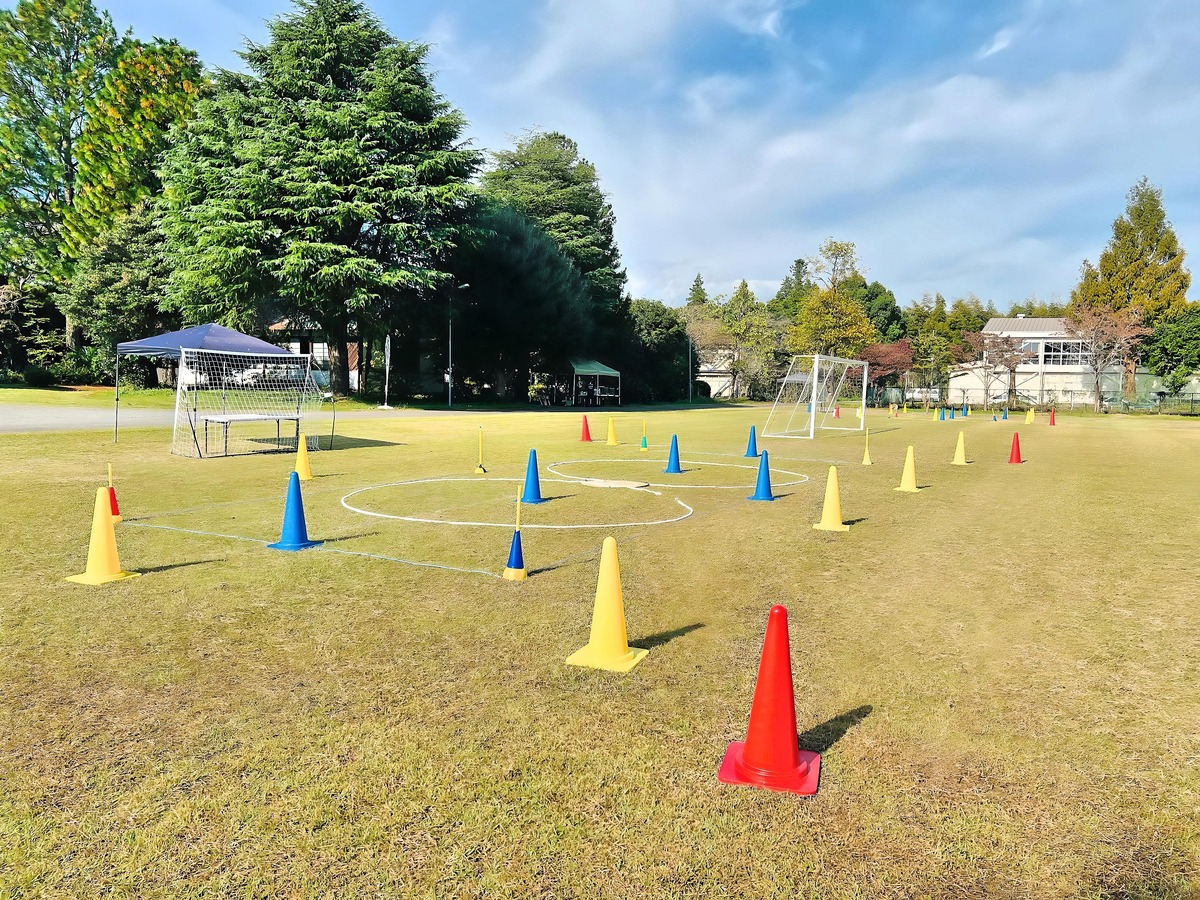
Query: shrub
x=38 y=376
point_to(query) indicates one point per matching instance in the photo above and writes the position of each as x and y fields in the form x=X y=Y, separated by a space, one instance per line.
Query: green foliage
x=835 y=262
x=880 y=306
x=656 y=369
x=119 y=289
x=1172 y=351
x=753 y=342
x=331 y=179
x=1142 y=266
x=38 y=376
x=932 y=356
x=54 y=55
x=697 y=295
x=526 y=304
x=1039 y=309
x=832 y=323
x=795 y=288
x=152 y=87
x=545 y=178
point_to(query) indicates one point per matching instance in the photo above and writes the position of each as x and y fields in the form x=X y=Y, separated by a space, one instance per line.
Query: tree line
x=331 y=188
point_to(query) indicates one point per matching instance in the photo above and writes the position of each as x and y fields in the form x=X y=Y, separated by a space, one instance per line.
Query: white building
x=1057 y=371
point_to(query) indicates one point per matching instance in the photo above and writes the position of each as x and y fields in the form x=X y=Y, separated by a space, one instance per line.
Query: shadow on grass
x=854 y=521
x=341 y=442
x=146 y=570
x=650 y=641
x=828 y=733
x=350 y=537
x=548 y=499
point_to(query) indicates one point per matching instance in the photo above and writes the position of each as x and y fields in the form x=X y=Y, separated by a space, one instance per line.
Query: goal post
x=819 y=393
x=228 y=404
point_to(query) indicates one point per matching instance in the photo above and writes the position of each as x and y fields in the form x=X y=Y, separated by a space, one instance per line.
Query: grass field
x=1002 y=672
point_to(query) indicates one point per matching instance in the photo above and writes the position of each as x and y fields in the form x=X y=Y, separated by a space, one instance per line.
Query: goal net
x=236 y=403
x=819 y=392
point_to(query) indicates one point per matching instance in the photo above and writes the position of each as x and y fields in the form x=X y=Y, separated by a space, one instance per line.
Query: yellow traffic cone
x=935 y=418
x=102 y=563
x=831 y=513
x=608 y=646
x=867 y=447
x=908 y=481
x=960 y=451
x=612 y=432
x=1029 y=417
x=303 y=469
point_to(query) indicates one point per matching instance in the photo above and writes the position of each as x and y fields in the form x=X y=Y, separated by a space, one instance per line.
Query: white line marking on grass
x=525 y=525
x=801 y=479
x=395 y=559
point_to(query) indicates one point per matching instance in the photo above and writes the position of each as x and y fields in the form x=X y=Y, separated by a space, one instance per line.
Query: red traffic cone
x=837 y=412
x=771 y=757
x=1052 y=415
x=1014 y=455
x=586 y=434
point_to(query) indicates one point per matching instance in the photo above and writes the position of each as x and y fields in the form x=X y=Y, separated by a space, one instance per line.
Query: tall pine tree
x=331 y=179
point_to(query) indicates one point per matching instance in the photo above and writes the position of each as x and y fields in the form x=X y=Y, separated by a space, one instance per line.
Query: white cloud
x=1000 y=41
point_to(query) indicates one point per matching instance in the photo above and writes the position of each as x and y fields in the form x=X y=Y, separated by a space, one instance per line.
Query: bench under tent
x=234 y=393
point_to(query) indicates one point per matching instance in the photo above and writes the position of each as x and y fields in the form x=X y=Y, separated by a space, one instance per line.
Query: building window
x=1066 y=353
x=1032 y=349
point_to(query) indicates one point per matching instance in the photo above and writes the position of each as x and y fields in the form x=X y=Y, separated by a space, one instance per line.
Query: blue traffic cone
x=673 y=460
x=952 y=413
x=1004 y=418
x=295 y=533
x=752 y=446
x=993 y=417
x=966 y=410
x=941 y=414
x=515 y=570
x=762 y=491
x=533 y=488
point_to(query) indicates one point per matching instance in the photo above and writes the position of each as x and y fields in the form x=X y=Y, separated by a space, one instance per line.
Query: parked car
x=1019 y=399
x=920 y=395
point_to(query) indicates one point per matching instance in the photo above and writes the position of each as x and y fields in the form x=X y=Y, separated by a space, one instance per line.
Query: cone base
x=867 y=461
x=590 y=658
x=85 y=578
x=756 y=497
x=829 y=526
x=480 y=470
x=612 y=443
x=908 y=490
x=514 y=575
x=958 y=463
x=750 y=456
x=532 y=500
x=673 y=470
x=804 y=780
x=303 y=545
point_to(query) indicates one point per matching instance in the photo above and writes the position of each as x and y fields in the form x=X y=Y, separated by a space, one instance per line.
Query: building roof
x=1026 y=325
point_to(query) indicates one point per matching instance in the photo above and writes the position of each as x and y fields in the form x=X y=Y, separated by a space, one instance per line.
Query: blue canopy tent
x=199 y=337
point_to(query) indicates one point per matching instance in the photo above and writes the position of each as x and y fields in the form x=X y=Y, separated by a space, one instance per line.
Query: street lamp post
x=450 y=348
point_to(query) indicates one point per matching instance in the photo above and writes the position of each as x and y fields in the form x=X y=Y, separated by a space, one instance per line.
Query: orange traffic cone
x=1014 y=455
x=771 y=757
x=103 y=565
x=586 y=435
x=1052 y=415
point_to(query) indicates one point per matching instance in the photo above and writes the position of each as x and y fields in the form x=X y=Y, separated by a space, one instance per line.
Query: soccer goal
x=236 y=403
x=819 y=392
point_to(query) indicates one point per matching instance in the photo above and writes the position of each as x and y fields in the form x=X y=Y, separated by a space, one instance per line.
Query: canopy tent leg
x=117 y=399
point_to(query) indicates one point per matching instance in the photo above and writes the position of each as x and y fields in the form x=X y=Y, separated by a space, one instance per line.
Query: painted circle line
x=800 y=478
x=366 y=512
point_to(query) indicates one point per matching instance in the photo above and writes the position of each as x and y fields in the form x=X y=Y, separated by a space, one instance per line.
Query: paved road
x=15 y=417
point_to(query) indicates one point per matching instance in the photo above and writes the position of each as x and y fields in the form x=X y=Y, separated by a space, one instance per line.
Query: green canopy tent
x=594 y=383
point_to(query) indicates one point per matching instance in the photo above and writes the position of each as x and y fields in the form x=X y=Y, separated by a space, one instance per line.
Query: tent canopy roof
x=199 y=337
x=591 y=367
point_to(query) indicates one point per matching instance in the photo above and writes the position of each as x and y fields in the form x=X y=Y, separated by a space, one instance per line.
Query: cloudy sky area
x=979 y=147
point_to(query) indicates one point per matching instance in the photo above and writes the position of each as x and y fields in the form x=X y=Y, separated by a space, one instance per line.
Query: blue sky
x=980 y=147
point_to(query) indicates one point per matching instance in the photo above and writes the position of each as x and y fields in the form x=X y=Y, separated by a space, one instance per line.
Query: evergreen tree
x=1172 y=351
x=545 y=178
x=1142 y=266
x=657 y=369
x=752 y=341
x=330 y=179
x=526 y=306
x=796 y=286
x=697 y=295
x=880 y=306
x=118 y=290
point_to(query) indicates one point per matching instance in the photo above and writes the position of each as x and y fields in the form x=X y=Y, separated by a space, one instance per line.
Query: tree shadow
x=341 y=442
x=650 y=641
x=146 y=570
x=828 y=733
